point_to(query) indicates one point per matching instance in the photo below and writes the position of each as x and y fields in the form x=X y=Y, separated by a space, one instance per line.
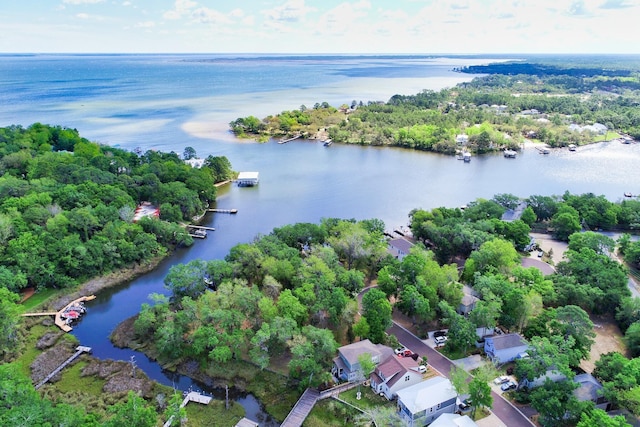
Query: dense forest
x=495 y=112
x=67 y=205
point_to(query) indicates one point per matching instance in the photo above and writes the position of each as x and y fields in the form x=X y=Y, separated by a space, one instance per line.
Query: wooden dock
x=302 y=408
x=246 y=422
x=201 y=227
x=192 y=396
x=284 y=141
x=58 y=314
x=79 y=350
x=228 y=211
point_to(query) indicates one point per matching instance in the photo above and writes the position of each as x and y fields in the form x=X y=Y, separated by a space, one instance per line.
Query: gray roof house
x=395 y=373
x=469 y=300
x=399 y=247
x=346 y=366
x=504 y=348
x=422 y=403
x=590 y=389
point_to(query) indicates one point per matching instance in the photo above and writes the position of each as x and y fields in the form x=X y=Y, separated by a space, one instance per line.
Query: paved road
x=507 y=413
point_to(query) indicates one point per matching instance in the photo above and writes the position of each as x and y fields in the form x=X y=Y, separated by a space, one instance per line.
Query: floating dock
x=59 y=321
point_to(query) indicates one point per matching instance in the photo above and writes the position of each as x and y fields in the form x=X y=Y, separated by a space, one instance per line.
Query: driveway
x=504 y=410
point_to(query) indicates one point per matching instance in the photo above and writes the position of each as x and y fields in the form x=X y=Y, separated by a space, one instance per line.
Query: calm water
x=170 y=102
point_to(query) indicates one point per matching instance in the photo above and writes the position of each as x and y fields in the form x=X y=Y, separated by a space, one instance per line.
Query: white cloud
x=180 y=9
x=146 y=24
x=286 y=15
x=204 y=15
x=82 y=1
x=82 y=15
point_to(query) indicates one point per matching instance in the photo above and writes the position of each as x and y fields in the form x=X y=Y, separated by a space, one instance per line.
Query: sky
x=320 y=26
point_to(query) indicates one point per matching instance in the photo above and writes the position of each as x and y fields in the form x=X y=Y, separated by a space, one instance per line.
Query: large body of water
x=171 y=102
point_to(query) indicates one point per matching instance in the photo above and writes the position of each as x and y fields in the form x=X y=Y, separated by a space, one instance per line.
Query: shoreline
x=97 y=284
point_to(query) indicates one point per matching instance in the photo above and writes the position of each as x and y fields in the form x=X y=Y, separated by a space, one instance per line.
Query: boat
x=510 y=154
x=572 y=147
x=466 y=156
x=459 y=156
x=545 y=150
x=200 y=232
x=327 y=142
x=628 y=194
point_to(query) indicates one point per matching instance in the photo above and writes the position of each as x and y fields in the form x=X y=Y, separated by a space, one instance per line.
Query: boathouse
x=247 y=179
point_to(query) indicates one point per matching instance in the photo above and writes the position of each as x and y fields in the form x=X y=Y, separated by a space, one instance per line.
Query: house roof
x=453 y=420
x=398 y=366
x=589 y=387
x=402 y=245
x=427 y=394
x=501 y=342
x=351 y=352
x=468 y=300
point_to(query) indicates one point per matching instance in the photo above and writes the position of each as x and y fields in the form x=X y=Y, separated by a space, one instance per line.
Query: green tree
x=9 y=321
x=174 y=412
x=187 y=279
x=556 y=403
x=135 y=412
x=598 y=417
x=480 y=394
x=377 y=309
x=632 y=338
x=565 y=222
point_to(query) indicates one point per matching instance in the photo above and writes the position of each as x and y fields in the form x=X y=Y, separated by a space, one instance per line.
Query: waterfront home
x=462 y=139
x=424 y=402
x=394 y=374
x=399 y=248
x=504 y=348
x=195 y=163
x=346 y=366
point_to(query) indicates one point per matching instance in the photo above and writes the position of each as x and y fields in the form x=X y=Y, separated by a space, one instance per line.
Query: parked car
x=510 y=385
x=422 y=369
x=400 y=350
x=540 y=254
x=440 y=340
x=439 y=334
x=406 y=353
x=501 y=380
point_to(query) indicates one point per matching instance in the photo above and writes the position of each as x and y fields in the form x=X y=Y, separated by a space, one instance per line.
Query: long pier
x=79 y=350
x=229 y=211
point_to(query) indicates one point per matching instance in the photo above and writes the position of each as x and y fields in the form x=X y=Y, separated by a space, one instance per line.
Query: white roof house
x=422 y=403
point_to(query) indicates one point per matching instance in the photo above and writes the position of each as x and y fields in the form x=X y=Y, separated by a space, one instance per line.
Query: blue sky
x=321 y=26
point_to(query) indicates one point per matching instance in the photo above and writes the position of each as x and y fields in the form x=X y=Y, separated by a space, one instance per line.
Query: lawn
x=39 y=298
x=215 y=413
x=368 y=399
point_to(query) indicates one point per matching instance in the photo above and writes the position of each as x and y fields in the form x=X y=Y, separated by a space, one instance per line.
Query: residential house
x=504 y=348
x=454 y=420
x=462 y=139
x=395 y=373
x=399 y=248
x=550 y=374
x=346 y=366
x=468 y=302
x=422 y=403
x=590 y=389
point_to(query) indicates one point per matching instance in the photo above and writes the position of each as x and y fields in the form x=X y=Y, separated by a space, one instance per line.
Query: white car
x=501 y=380
x=422 y=369
x=400 y=350
x=440 y=340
